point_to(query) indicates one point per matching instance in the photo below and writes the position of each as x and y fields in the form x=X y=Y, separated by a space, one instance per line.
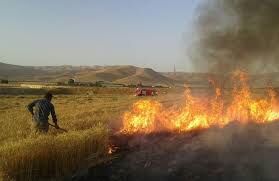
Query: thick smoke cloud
x=237 y=34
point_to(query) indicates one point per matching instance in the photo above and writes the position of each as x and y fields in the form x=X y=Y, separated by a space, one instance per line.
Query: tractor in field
x=146 y=92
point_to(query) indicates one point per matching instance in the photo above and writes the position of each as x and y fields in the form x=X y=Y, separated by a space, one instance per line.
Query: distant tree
x=99 y=84
x=71 y=81
x=139 y=85
x=160 y=86
x=4 y=81
x=60 y=83
x=91 y=84
x=132 y=86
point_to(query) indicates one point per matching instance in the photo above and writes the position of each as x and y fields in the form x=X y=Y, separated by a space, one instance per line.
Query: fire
x=110 y=150
x=149 y=116
x=142 y=118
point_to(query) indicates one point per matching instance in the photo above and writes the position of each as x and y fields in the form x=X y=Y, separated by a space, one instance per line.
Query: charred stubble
x=236 y=152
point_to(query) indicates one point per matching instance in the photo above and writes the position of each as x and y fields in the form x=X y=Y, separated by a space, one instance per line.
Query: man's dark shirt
x=43 y=108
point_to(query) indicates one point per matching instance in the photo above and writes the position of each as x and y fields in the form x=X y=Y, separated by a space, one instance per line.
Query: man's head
x=48 y=96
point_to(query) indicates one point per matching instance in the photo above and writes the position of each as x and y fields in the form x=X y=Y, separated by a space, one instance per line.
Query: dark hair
x=48 y=95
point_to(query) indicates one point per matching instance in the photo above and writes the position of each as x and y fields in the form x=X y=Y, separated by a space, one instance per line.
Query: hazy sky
x=147 y=33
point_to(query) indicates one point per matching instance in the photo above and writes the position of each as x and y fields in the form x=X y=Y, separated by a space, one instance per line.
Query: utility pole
x=174 y=70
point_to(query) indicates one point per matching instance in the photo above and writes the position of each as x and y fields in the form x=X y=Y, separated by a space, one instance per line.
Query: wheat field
x=25 y=155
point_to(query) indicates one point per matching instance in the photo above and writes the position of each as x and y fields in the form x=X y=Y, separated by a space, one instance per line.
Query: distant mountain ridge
x=122 y=74
x=125 y=74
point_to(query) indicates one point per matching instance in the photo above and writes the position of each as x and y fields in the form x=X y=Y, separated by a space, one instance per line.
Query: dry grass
x=26 y=156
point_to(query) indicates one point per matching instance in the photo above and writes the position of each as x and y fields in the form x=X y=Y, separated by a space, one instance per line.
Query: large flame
x=143 y=117
x=149 y=116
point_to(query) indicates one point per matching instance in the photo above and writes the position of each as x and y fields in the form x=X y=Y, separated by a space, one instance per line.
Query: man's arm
x=53 y=115
x=30 y=107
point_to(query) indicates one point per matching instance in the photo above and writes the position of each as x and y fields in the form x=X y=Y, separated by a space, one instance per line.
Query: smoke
x=246 y=152
x=236 y=34
x=235 y=152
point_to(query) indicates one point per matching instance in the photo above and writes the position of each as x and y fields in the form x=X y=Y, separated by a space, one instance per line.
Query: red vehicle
x=146 y=92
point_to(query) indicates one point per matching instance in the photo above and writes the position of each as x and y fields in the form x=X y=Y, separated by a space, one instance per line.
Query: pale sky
x=145 y=33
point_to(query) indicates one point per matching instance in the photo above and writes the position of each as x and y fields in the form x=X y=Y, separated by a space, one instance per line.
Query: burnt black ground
x=236 y=152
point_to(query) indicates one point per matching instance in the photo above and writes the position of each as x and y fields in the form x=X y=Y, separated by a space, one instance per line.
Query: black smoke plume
x=237 y=34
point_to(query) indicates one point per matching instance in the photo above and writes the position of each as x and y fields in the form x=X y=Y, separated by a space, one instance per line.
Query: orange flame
x=149 y=116
x=110 y=150
x=142 y=118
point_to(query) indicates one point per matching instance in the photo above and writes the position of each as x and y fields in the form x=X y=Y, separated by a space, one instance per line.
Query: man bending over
x=40 y=110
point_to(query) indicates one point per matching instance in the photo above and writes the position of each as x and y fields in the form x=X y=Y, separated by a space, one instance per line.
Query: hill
x=117 y=74
x=125 y=74
x=189 y=78
x=17 y=72
x=202 y=79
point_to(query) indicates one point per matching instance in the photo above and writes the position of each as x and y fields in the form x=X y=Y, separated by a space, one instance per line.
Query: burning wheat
x=149 y=116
